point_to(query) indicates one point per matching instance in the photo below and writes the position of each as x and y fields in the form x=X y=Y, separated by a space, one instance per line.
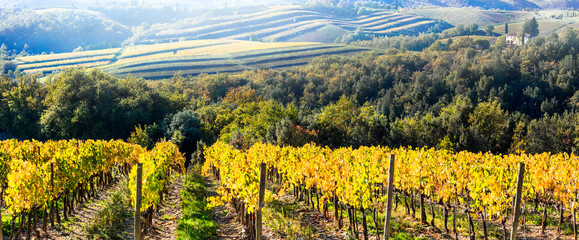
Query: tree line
x=461 y=98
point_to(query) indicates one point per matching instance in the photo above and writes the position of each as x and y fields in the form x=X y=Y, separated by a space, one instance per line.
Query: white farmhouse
x=513 y=39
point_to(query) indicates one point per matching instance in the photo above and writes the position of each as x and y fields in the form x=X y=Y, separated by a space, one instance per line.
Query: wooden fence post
x=574 y=217
x=1 y=233
x=517 y=210
x=258 y=217
x=389 y=195
x=52 y=207
x=137 y=233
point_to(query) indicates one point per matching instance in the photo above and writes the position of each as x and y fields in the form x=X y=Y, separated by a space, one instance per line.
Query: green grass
x=287 y=218
x=536 y=219
x=64 y=225
x=281 y=217
x=196 y=221
x=108 y=221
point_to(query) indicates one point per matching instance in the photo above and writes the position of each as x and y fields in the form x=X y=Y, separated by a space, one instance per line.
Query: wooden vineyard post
x=574 y=217
x=1 y=233
x=389 y=195
x=137 y=232
x=517 y=210
x=52 y=189
x=258 y=219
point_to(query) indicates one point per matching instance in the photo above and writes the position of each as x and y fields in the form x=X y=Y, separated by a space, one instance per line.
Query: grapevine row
x=37 y=175
x=482 y=183
x=157 y=166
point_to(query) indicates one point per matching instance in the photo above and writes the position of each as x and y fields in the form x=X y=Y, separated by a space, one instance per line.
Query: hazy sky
x=35 y=4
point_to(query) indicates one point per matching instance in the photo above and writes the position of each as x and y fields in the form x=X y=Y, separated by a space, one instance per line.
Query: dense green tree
x=184 y=130
x=71 y=101
x=146 y=135
x=499 y=100
x=345 y=123
x=489 y=30
x=489 y=124
x=4 y=54
x=552 y=133
x=519 y=142
x=416 y=131
x=436 y=46
x=287 y=133
x=96 y=105
x=5 y=115
x=29 y=32
x=449 y=42
x=531 y=27
x=472 y=29
x=247 y=123
x=22 y=103
x=482 y=43
x=7 y=67
x=454 y=120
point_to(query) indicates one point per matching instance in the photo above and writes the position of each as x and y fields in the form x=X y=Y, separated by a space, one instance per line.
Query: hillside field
x=467 y=16
x=160 y=61
x=276 y=37
x=546 y=25
x=290 y=23
x=549 y=20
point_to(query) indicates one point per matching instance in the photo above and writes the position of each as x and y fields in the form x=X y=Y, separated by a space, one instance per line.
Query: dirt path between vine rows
x=164 y=223
x=326 y=228
x=166 y=220
x=224 y=216
x=83 y=214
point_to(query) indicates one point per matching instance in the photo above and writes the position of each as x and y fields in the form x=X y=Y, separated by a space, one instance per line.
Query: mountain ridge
x=493 y=4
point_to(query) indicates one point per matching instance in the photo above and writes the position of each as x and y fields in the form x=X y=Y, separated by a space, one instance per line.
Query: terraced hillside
x=549 y=20
x=54 y=62
x=467 y=16
x=164 y=60
x=547 y=25
x=289 y=22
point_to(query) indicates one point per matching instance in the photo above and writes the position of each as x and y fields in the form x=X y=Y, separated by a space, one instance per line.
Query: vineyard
x=53 y=62
x=51 y=178
x=289 y=22
x=273 y=38
x=467 y=16
x=163 y=60
x=480 y=185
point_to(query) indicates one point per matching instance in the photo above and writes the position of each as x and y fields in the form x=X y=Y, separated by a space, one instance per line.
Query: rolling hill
x=549 y=20
x=277 y=37
x=467 y=16
x=492 y=4
x=164 y=60
x=287 y=23
x=485 y=4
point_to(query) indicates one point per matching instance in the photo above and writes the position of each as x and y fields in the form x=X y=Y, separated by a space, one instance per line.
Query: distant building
x=515 y=39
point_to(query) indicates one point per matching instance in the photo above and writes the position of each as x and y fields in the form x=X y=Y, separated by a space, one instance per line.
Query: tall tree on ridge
x=531 y=27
